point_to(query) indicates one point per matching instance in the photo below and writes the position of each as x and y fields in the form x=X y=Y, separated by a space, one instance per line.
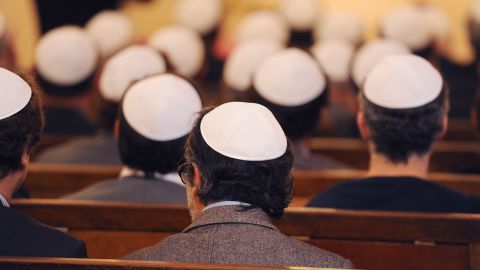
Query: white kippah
x=183 y=48
x=438 y=22
x=300 y=14
x=162 y=107
x=289 y=78
x=403 y=82
x=372 y=52
x=66 y=56
x=15 y=93
x=408 y=25
x=200 y=15
x=335 y=57
x=244 y=60
x=112 y=30
x=127 y=66
x=244 y=131
x=475 y=11
x=263 y=24
x=341 y=25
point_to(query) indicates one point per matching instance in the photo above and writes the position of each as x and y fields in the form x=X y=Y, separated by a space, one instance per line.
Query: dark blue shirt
x=396 y=194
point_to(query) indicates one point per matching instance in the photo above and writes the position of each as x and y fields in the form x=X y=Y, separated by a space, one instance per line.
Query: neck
x=416 y=166
x=10 y=184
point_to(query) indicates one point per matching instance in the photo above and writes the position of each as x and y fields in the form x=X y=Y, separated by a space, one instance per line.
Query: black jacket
x=396 y=194
x=22 y=236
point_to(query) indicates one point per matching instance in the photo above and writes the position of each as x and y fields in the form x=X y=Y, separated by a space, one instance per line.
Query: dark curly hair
x=20 y=133
x=398 y=134
x=264 y=184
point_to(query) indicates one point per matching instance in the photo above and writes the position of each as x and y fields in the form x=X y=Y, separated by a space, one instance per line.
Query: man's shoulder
x=35 y=238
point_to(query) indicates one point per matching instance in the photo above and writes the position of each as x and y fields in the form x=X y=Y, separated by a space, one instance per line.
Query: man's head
x=292 y=85
x=238 y=152
x=118 y=74
x=403 y=107
x=65 y=61
x=21 y=124
x=156 y=115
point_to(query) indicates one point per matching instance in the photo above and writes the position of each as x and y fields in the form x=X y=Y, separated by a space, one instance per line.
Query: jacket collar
x=231 y=214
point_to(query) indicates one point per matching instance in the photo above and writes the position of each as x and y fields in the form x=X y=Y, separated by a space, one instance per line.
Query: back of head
x=119 y=72
x=182 y=47
x=237 y=163
x=404 y=103
x=263 y=24
x=21 y=121
x=291 y=84
x=156 y=115
x=65 y=60
x=202 y=16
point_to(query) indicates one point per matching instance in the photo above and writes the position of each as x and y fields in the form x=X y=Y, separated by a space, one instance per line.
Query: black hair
x=264 y=184
x=296 y=121
x=141 y=153
x=104 y=112
x=78 y=89
x=398 y=134
x=20 y=133
x=476 y=110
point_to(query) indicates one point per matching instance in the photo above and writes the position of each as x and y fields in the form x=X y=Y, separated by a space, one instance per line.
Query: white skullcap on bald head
x=66 y=56
x=200 y=15
x=112 y=30
x=15 y=93
x=127 y=66
x=335 y=57
x=183 y=48
x=289 y=78
x=340 y=25
x=372 y=52
x=403 y=82
x=244 y=131
x=300 y=14
x=244 y=60
x=408 y=25
x=162 y=107
x=263 y=24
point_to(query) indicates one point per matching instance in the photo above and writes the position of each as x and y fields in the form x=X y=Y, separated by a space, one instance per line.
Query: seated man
x=403 y=111
x=237 y=171
x=292 y=85
x=21 y=124
x=156 y=114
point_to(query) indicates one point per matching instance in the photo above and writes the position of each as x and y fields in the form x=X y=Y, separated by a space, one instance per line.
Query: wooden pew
x=99 y=264
x=447 y=155
x=372 y=240
x=54 y=181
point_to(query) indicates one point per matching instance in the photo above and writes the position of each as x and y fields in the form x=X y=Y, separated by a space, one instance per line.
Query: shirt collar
x=169 y=177
x=224 y=203
x=4 y=201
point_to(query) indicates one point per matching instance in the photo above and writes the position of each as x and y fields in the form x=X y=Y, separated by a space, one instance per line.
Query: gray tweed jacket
x=226 y=235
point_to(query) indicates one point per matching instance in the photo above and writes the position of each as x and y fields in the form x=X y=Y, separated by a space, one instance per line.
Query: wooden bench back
x=373 y=240
x=447 y=156
x=99 y=264
x=53 y=181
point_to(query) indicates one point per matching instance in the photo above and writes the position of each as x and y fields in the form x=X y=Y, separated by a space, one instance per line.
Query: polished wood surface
x=372 y=240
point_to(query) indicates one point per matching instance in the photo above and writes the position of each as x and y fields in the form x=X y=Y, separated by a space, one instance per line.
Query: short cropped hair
x=20 y=133
x=266 y=184
x=296 y=121
x=399 y=134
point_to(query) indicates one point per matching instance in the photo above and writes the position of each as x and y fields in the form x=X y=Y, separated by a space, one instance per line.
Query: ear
x=197 y=179
x=362 y=126
x=116 y=129
x=442 y=132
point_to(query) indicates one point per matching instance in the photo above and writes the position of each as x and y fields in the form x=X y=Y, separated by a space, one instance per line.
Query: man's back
x=396 y=194
x=23 y=236
x=229 y=235
x=135 y=190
